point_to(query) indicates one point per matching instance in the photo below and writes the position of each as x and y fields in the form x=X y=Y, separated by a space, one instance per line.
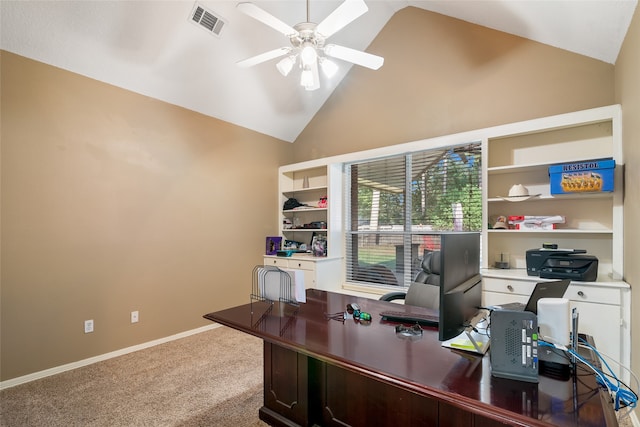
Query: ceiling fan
x=308 y=43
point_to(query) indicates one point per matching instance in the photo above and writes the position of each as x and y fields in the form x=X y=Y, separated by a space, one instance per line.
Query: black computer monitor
x=460 y=282
x=458 y=306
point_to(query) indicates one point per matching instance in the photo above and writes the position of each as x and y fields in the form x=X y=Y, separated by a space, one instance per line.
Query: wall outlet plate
x=88 y=326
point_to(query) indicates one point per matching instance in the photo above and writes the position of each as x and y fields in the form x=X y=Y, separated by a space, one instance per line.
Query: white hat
x=518 y=193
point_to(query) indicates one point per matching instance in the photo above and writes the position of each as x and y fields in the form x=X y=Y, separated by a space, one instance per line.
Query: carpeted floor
x=209 y=379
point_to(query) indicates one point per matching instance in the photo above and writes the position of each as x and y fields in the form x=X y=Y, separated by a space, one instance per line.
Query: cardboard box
x=588 y=176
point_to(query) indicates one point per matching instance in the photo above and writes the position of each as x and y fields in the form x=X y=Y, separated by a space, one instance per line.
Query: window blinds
x=397 y=206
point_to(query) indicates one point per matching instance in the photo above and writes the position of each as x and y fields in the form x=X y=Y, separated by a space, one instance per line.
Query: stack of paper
x=535 y=222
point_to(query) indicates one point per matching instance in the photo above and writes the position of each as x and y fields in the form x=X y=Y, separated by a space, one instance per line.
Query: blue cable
x=629 y=398
x=624 y=397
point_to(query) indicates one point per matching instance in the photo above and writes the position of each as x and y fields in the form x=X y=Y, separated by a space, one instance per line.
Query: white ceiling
x=152 y=48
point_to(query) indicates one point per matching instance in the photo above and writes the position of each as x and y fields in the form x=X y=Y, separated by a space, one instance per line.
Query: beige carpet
x=209 y=379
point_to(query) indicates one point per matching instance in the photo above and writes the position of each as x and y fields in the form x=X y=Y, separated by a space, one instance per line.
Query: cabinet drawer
x=593 y=294
x=302 y=265
x=297 y=264
x=575 y=292
x=515 y=287
x=278 y=262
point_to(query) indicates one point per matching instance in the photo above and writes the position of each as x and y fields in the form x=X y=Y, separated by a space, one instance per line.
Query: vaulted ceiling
x=154 y=48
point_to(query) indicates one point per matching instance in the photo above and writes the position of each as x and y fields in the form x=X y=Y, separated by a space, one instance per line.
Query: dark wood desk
x=325 y=372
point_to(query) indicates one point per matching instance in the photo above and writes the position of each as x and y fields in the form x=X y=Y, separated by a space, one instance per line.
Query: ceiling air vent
x=206 y=19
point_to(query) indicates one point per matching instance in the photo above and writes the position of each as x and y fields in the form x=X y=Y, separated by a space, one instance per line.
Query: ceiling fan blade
x=255 y=60
x=355 y=56
x=344 y=14
x=266 y=18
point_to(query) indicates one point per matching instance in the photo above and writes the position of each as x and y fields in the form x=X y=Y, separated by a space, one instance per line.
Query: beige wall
x=113 y=202
x=443 y=76
x=628 y=95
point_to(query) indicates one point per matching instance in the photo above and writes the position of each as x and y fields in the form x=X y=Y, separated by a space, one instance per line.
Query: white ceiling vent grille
x=206 y=19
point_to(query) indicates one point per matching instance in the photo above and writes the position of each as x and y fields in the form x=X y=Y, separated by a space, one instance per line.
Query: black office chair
x=424 y=291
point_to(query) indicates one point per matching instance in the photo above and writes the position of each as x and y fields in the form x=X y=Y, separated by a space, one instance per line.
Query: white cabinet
x=319 y=272
x=603 y=308
x=593 y=220
x=309 y=183
x=522 y=154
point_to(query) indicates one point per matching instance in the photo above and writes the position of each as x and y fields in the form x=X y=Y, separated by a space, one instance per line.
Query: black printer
x=572 y=264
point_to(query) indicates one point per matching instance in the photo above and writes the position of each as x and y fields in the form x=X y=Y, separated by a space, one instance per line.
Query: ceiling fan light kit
x=308 y=43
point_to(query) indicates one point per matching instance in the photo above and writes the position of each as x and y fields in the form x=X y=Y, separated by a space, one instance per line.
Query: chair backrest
x=430 y=272
x=423 y=295
x=425 y=289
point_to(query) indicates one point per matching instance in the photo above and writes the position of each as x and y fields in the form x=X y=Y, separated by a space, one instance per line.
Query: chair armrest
x=393 y=296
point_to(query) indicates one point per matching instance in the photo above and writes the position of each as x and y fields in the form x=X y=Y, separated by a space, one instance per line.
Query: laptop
x=554 y=289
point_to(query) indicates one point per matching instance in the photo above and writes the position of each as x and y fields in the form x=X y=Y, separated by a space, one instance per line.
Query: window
x=397 y=205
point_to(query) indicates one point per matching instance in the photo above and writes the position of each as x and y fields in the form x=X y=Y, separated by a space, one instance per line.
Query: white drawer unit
x=319 y=272
x=603 y=308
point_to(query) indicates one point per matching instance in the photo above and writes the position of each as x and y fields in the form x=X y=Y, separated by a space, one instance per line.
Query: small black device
x=514 y=345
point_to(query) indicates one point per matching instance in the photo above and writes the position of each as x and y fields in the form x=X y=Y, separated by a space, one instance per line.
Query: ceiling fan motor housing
x=306 y=34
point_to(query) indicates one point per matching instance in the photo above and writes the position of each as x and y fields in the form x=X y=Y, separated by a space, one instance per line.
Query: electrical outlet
x=88 y=326
x=134 y=316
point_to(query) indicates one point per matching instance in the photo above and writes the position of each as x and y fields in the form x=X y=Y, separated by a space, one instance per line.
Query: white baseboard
x=74 y=365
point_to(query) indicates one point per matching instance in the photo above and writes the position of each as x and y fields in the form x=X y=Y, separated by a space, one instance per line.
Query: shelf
x=558 y=197
x=295 y=230
x=288 y=193
x=292 y=211
x=556 y=231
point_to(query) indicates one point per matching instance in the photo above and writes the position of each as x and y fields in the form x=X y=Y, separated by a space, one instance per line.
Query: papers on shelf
x=532 y=222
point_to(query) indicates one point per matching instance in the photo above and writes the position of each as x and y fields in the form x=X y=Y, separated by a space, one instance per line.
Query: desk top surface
x=419 y=364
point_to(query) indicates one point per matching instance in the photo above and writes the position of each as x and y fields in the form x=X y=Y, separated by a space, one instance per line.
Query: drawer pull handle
x=510 y=288
x=299 y=265
x=580 y=293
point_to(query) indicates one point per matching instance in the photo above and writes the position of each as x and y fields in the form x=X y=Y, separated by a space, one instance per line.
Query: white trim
x=85 y=362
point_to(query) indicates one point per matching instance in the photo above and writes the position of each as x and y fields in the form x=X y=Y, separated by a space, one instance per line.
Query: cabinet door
x=285 y=385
